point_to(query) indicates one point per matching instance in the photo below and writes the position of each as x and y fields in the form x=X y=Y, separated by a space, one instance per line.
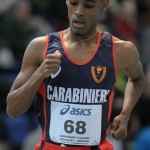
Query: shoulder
x=38 y=43
x=126 y=52
x=124 y=46
x=35 y=49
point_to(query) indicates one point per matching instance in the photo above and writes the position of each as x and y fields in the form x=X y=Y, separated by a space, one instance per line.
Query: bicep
x=22 y=77
x=133 y=67
x=32 y=59
x=134 y=72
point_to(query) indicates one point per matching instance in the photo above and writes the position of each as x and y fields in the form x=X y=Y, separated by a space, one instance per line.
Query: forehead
x=91 y=0
x=87 y=1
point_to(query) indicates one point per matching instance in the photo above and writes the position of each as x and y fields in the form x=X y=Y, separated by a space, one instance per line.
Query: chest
x=84 y=66
x=80 y=54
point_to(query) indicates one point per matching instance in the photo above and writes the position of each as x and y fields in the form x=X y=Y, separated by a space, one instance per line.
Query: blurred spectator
x=53 y=11
x=15 y=29
x=5 y=5
x=19 y=26
x=144 y=104
x=16 y=131
x=140 y=119
x=32 y=139
x=142 y=141
x=133 y=129
x=126 y=20
x=7 y=74
x=144 y=29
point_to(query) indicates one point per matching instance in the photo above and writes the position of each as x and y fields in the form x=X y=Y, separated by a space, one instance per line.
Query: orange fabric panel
x=105 y=145
x=49 y=146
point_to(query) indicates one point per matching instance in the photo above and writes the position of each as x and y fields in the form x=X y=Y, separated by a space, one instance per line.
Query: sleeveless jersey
x=74 y=104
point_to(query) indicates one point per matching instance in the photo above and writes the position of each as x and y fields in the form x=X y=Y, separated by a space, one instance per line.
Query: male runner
x=72 y=74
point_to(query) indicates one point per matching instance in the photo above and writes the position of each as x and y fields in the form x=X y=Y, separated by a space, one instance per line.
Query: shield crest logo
x=98 y=73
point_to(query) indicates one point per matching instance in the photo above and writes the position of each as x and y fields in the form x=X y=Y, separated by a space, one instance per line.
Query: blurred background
x=23 y=20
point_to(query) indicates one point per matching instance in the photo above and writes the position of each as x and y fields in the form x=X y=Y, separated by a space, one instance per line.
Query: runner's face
x=83 y=15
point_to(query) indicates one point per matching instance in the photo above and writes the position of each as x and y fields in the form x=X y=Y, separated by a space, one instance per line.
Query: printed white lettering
x=61 y=96
x=55 y=97
x=81 y=95
x=49 y=89
x=76 y=95
x=97 y=96
x=93 y=96
x=103 y=95
x=87 y=95
x=68 y=95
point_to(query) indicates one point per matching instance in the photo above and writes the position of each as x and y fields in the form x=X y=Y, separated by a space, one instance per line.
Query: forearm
x=19 y=100
x=133 y=92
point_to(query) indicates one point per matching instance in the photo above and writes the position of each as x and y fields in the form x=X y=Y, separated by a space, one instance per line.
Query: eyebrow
x=92 y=1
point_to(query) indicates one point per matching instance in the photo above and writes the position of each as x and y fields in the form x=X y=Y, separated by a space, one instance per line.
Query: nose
x=80 y=10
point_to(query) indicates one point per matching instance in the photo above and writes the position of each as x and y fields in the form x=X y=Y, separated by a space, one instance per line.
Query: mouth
x=78 y=24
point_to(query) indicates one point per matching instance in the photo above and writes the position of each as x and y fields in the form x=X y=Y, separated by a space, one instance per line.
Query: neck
x=76 y=38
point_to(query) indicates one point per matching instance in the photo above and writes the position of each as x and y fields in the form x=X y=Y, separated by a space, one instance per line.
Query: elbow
x=143 y=80
x=11 y=113
x=140 y=80
x=14 y=108
x=11 y=109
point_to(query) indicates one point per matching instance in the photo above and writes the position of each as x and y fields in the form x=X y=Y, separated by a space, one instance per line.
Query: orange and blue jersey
x=74 y=104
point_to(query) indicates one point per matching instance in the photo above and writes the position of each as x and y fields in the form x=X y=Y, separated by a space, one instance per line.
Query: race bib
x=75 y=124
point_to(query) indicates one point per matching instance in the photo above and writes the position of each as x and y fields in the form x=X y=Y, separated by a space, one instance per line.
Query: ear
x=104 y=4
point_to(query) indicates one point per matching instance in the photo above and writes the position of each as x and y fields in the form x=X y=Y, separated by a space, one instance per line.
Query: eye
x=89 y=5
x=73 y=2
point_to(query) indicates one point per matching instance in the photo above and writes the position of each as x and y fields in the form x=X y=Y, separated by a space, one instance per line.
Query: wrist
x=39 y=75
x=126 y=114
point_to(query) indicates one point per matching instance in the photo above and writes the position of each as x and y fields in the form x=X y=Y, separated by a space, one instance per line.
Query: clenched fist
x=119 y=127
x=51 y=64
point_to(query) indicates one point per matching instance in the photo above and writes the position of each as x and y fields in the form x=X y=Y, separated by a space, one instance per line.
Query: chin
x=78 y=32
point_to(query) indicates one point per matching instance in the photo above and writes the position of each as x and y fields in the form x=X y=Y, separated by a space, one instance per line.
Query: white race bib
x=75 y=124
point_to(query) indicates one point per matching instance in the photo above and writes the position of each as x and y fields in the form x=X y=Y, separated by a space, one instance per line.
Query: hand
x=119 y=127
x=51 y=64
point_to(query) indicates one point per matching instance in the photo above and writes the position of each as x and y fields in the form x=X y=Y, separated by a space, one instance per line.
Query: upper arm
x=32 y=59
x=128 y=59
